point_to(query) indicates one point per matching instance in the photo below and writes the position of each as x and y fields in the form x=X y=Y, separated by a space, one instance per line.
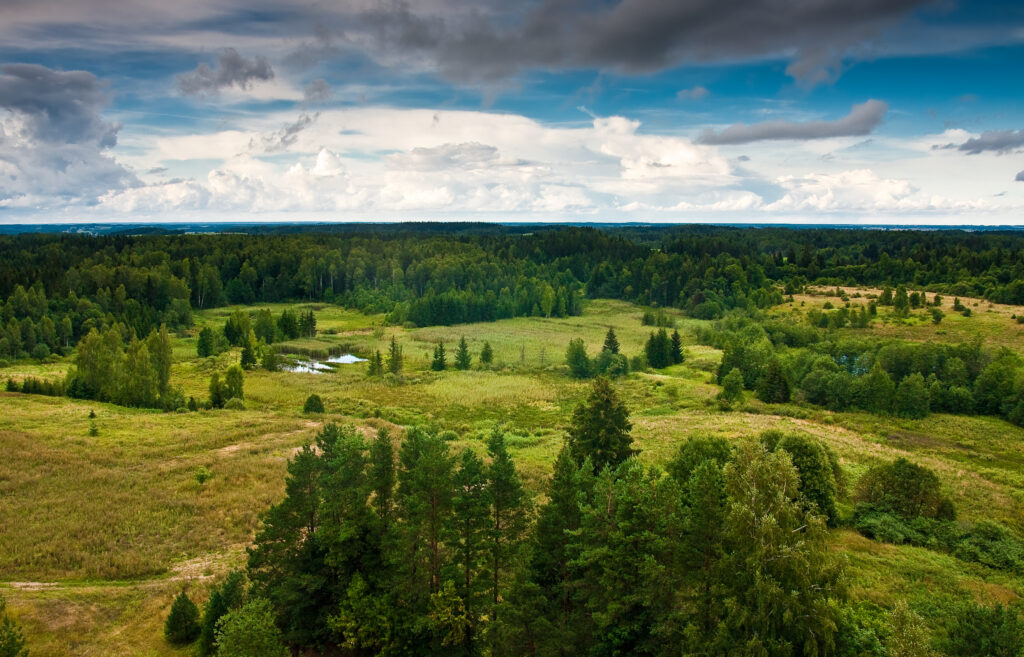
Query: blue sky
x=880 y=111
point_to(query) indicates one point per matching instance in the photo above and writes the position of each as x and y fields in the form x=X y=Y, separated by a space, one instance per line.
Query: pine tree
x=611 y=343
x=249 y=347
x=250 y=631
x=463 y=359
x=677 y=347
x=440 y=361
x=206 y=342
x=901 y=302
x=773 y=387
x=212 y=612
x=471 y=507
x=375 y=364
x=704 y=522
x=182 y=624
x=382 y=476
x=600 y=429
x=486 y=355
x=12 y=641
x=509 y=509
x=313 y=404
x=424 y=503
x=395 y=358
x=658 y=349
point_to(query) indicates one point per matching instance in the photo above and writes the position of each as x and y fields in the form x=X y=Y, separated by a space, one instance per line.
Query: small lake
x=313 y=366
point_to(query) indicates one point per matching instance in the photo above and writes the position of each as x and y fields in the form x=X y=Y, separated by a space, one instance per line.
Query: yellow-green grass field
x=98 y=533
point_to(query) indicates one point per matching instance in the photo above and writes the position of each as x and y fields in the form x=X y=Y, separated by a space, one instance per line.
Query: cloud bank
x=232 y=70
x=861 y=120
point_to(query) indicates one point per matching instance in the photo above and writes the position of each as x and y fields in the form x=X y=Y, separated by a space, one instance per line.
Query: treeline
x=906 y=379
x=426 y=276
x=423 y=551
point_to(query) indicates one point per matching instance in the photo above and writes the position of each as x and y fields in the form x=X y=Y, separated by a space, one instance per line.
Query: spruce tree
x=204 y=345
x=395 y=358
x=313 y=404
x=486 y=355
x=182 y=624
x=217 y=397
x=462 y=357
x=600 y=428
x=12 y=641
x=611 y=343
x=773 y=387
x=901 y=302
x=677 y=347
x=212 y=612
x=234 y=383
x=440 y=360
x=375 y=364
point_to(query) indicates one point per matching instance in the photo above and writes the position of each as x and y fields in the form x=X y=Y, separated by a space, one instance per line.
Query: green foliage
x=577 y=360
x=732 y=387
x=781 y=579
x=182 y=624
x=463 y=359
x=599 y=431
x=12 y=640
x=203 y=475
x=773 y=388
x=136 y=374
x=250 y=632
x=978 y=631
x=440 y=360
x=394 y=358
x=234 y=382
x=611 y=342
x=814 y=464
x=659 y=350
x=904 y=489
x=909 y=636
x=313 y=404
x=486 y=355
x=911 y=399
x=230 y=595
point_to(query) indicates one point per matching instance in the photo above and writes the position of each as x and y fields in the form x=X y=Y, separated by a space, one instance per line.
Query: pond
x=314 y=366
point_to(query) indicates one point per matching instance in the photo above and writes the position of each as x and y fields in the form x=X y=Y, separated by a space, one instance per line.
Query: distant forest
x=56 y=287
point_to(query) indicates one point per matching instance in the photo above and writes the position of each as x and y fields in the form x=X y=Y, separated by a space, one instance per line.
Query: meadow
x=99 y=532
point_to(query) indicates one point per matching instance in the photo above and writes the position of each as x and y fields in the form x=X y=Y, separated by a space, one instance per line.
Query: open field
x=99 y=532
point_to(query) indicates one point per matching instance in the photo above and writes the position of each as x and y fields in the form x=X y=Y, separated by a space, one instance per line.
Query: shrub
x=904 y=489
x=182 y=624
x=313 y=404
x=12 y=642
x=250 y=632
x=234 y=404
x=989 y=631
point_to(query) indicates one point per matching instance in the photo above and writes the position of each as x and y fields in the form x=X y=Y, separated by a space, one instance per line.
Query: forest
x=513 y=440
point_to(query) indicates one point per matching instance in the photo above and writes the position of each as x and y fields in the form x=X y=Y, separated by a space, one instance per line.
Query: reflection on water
x=320 y=366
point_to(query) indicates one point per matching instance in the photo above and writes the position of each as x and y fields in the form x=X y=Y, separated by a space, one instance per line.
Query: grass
x=115 y=525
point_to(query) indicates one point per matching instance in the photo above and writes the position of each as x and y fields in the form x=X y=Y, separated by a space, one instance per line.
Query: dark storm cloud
x=1020 y=177
x=232 y=70
x=57 y=106
x=57 y=142
x=636 y=35
x=861 y=120
x=998 y=141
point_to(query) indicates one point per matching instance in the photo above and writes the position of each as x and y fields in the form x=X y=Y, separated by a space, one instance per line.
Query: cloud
x=632 y=36
x=317 y=91
x=998 y=141
x=693 y=93
x=54 y=139
x=470 y=155
x=232 y=70
x=1020 y=177
x=861 y=120
x=285 y=137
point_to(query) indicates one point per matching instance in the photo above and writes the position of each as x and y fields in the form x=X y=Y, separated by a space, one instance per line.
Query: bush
x=250 y=632
x=904 y=489
x=182 y=624
x=313 y=404
x=12 y=642
x=234 y=404
x=986 y=631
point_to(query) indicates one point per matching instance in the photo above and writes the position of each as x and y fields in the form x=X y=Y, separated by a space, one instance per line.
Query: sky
x=762 y=111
